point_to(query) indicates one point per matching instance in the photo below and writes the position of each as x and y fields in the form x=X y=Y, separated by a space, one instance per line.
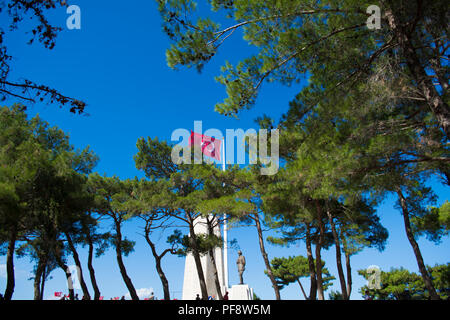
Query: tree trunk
x=37 y=280
x=198 y=262
x=123 y=270
x=68 y=274
x=10 y=282
x=43 y=277
x=318 y=254
x=425 y=276
x=320 y=295
x=91 y=269
x=76 y=258
x=337 y=244
x=349 y=270
x=69 y=281
x=213 y=262
x=159 y=270
x=312 y=268
x=65 y=268
x=301 y=287
x=216 y=275
x=266 y=258
x=162 y=276
x=437 y=105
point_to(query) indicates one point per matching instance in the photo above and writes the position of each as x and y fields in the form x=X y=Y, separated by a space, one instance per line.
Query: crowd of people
x=64 y=297
x=76 y=297
x=213 y=297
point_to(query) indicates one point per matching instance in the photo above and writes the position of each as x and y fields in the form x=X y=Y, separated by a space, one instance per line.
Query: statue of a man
x=241 y=266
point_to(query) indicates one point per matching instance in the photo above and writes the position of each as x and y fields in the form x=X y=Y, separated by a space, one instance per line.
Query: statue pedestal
x=241 y=292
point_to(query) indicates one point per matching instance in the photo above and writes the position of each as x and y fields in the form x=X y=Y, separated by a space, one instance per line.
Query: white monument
x=191 y=284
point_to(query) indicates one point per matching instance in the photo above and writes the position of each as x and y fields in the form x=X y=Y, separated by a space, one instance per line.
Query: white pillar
x=225 y=251
x=225 y=229
x=191 y=282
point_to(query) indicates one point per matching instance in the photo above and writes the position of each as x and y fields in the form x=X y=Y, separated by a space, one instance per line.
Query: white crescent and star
x=209 y=146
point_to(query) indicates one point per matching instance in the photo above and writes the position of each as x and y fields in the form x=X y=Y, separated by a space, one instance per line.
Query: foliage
x=291 y=269
x=328 y=41
x=42 y=29
x=401 y=284
x=42 y=183
x=203 y=243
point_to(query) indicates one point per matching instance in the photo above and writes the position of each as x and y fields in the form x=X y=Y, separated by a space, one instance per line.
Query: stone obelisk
x=191 y=283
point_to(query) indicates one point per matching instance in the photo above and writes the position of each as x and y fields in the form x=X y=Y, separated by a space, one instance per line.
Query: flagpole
x=225 y=230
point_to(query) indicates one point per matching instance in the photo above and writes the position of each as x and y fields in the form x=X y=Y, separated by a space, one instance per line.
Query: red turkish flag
x=210 y=146
x=58 y=294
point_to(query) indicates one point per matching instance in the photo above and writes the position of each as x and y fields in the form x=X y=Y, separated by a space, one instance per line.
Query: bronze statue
x=241 y=266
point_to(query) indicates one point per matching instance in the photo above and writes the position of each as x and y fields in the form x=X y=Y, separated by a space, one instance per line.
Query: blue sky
x=116 y=63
